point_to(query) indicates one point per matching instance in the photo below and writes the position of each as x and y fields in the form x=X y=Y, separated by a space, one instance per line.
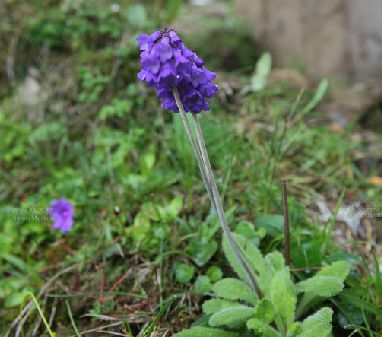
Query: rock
x=328 y=37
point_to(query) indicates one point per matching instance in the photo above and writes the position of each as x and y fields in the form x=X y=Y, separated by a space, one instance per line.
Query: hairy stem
x=219 y=205
x=193 y=144
x=210 y=184
x=286 y=223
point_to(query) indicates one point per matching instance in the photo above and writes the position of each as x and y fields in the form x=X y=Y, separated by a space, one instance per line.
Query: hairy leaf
x=275 y=260
x=252 y=256
x=234 y=289
x=273 y=224
x=234 y=317
x=318 y=324
x=202 y=284
x=184 y=272
x=265 y=311
x=323 y=286
x=283 y=297
x=216 y=304
x=205 y=332
x=262 y=329
x=338 y=269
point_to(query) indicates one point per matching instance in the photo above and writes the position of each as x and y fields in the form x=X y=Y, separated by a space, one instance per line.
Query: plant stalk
x=193 y=144
x=210 y=184
x=284 y=193
x=219 y=205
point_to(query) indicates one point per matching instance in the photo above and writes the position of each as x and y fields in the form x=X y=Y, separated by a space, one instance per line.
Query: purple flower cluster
x=61 y=211
x=166 y=62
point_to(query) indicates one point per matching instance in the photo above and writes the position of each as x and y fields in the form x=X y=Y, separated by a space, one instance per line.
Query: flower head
x=61 y=211
x=166 y=62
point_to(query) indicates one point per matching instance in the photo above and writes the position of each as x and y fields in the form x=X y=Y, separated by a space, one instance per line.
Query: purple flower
x=61 y=211
x=166 y=62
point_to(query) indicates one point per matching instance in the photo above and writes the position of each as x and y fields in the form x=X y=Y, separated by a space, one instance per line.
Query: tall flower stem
x=193 y=145
x=210 y=184
x=284 y=192
x=219 y=206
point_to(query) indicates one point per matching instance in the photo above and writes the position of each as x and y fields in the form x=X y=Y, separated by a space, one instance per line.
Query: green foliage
x=317 y=97
x=318 y=324
x=84 y=24
x=265 y=311
x=116 y=108
x=203 y=284
x=252 y=252
x=234 y=289
x=273 y=224
x=324 y=286
x=262 y=329
x=214 y=273
x=283 y=297
x=339 y=269
x=184 y=272
x=262 y=71
x=215 y=305
x=277 y=312
x=205 y=332
x=92 y=85
x=235 y=317
x=151 y=222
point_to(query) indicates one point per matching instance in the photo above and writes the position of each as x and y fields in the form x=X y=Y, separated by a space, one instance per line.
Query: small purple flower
x=61 y=211
x=166 y=62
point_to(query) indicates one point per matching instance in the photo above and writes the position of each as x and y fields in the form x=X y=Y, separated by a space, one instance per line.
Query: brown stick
x=284 y=192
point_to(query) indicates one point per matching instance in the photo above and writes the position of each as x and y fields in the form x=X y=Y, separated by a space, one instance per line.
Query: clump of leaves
x=235 y=309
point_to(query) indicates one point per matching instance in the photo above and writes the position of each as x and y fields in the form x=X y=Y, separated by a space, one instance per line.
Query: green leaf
x=338 y=269
x=329 y=281
x=203 y=251
x=14 y=299
x=216 y=304
x=234 y=317
x=265 y=311
x=318 y=324
x=263 y=68
x=141 y=228
x=318 y=96
x=252 y=253
x=205 y=332
x=262 y=329
x=294 y=329
x=275 y=261
x=349 y=314
x=147 y=161
x=172 y=209
x=184 y=272
x=347 y=296
x=247 y=229
x=283 y=297
x=214 y=273
x=163 y=309
x=203 y=284
x=323 y=286
x=273 y=224
x=234 y=289
x=15 y=261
